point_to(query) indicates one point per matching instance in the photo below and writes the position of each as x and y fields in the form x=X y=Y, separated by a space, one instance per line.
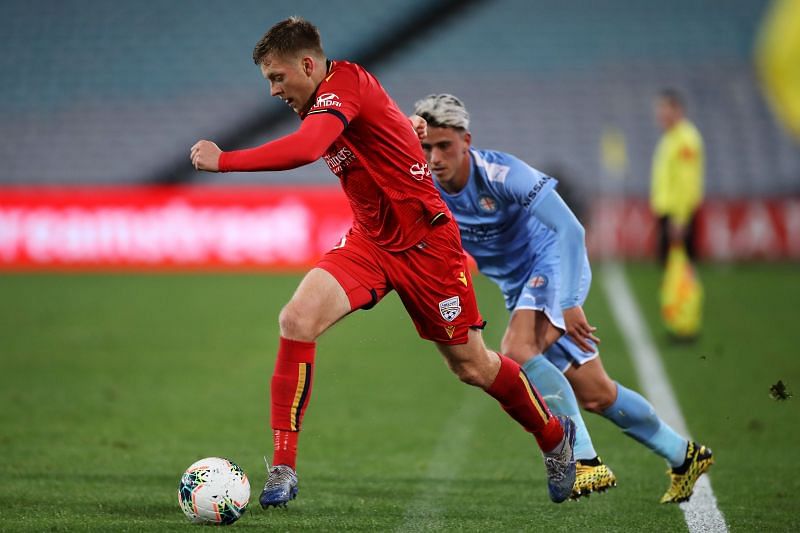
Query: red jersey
x=370 y=145
x=378 y=159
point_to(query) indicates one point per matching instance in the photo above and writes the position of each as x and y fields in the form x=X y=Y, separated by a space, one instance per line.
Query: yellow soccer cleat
x=592 y=475
x=682 y=479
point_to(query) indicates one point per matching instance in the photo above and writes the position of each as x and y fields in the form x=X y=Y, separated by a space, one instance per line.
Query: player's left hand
x=579 y=328
x=419 y=125
x=205 y=156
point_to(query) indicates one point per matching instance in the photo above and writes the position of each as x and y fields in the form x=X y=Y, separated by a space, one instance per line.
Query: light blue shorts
x=541 y=293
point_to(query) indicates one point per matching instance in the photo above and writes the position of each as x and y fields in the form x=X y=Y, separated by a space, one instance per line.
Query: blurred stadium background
x=100 y=102
x=114 y=94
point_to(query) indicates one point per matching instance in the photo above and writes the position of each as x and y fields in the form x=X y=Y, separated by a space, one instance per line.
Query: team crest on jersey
x=538 y=281
x=487 y=204
x=450 y=308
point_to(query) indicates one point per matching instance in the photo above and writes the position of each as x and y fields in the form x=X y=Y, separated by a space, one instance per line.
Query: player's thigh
x=472 y=362
x=318 y=302
x=356 y=263
x=434 y=283
x=593 y=387
x=346 y=278
x=529 y=333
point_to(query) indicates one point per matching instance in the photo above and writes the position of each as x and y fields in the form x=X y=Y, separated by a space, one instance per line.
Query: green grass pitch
x=111 y=385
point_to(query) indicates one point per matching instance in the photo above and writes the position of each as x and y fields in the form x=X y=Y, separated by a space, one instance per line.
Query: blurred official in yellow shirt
x=677 y=177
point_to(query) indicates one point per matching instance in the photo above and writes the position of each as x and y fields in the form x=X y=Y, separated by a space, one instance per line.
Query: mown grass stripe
x=701 y=512
x=447 y=460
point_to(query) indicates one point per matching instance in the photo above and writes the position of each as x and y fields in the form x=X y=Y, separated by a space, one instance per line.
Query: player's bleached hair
x=443 y=111
x=288 y=37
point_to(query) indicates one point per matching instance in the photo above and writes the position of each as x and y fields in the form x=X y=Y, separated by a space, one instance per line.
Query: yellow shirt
x=678 y=166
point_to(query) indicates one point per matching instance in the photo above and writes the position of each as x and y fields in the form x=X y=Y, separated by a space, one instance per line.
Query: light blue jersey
x=495 y=213
x=503 y=228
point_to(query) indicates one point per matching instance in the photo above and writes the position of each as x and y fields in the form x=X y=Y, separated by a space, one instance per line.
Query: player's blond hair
x=287 y=38
x=443 y=111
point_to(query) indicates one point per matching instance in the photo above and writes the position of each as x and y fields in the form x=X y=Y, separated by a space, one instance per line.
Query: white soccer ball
x=214 y=491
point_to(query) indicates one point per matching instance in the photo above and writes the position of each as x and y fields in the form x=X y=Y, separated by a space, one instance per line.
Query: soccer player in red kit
x=403 y=238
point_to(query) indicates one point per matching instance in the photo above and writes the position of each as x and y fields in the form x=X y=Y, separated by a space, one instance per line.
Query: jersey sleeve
x=300 y=148
x=339 y=95
x=554 y=213
x=522 y=184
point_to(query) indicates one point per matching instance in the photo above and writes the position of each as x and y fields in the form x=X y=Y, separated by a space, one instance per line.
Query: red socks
x=520 y=399
x=291 y=390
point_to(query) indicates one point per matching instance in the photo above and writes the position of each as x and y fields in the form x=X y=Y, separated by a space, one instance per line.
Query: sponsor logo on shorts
x=328 y=100
x=462 y=278
x=538 y=281
x=420 y=171
x=450 y=308
x=487 y=204
x=450 y=330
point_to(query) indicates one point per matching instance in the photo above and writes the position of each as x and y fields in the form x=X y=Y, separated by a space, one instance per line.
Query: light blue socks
x=638 y=419
x=557 y=393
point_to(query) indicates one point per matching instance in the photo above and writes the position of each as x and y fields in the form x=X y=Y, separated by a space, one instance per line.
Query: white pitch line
x=701 y=512
x=447 y=460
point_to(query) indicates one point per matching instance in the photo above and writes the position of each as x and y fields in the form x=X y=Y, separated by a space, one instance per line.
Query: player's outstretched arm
x=555 y=214
x=302 y=147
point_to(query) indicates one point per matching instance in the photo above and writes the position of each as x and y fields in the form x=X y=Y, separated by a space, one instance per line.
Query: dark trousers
x=689 y=239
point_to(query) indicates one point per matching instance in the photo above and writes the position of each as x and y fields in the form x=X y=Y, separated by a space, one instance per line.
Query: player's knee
x=469 y=374
x=296 y=324
x=471 y=377
x=521 y=352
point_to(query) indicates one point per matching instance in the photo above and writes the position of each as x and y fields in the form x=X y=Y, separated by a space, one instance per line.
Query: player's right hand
x=205 y=156
x=579 y=329
x=420 y=126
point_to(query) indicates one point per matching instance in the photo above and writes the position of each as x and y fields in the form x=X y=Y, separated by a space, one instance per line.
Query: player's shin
x=558 y=394
x=638 y=419
x=520 y=399
x=290 y=393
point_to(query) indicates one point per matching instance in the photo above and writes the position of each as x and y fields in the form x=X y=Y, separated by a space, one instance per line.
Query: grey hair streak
x=443 y=111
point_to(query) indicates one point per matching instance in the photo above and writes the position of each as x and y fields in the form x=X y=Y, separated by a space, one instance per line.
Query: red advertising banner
x=726 y=229
x=284 y=228
x=169 y=227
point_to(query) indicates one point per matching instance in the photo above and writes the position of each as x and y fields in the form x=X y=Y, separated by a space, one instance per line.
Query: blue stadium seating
x=107 y=92
x=104 y=92
x=544 y=79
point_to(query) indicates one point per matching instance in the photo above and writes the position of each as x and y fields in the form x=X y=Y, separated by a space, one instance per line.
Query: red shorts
x=432 y=279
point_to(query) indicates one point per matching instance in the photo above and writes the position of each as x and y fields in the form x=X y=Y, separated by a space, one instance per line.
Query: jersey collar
x=329 y=64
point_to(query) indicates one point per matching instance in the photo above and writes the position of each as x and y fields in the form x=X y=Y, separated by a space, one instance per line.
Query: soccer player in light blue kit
x=525 y=239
